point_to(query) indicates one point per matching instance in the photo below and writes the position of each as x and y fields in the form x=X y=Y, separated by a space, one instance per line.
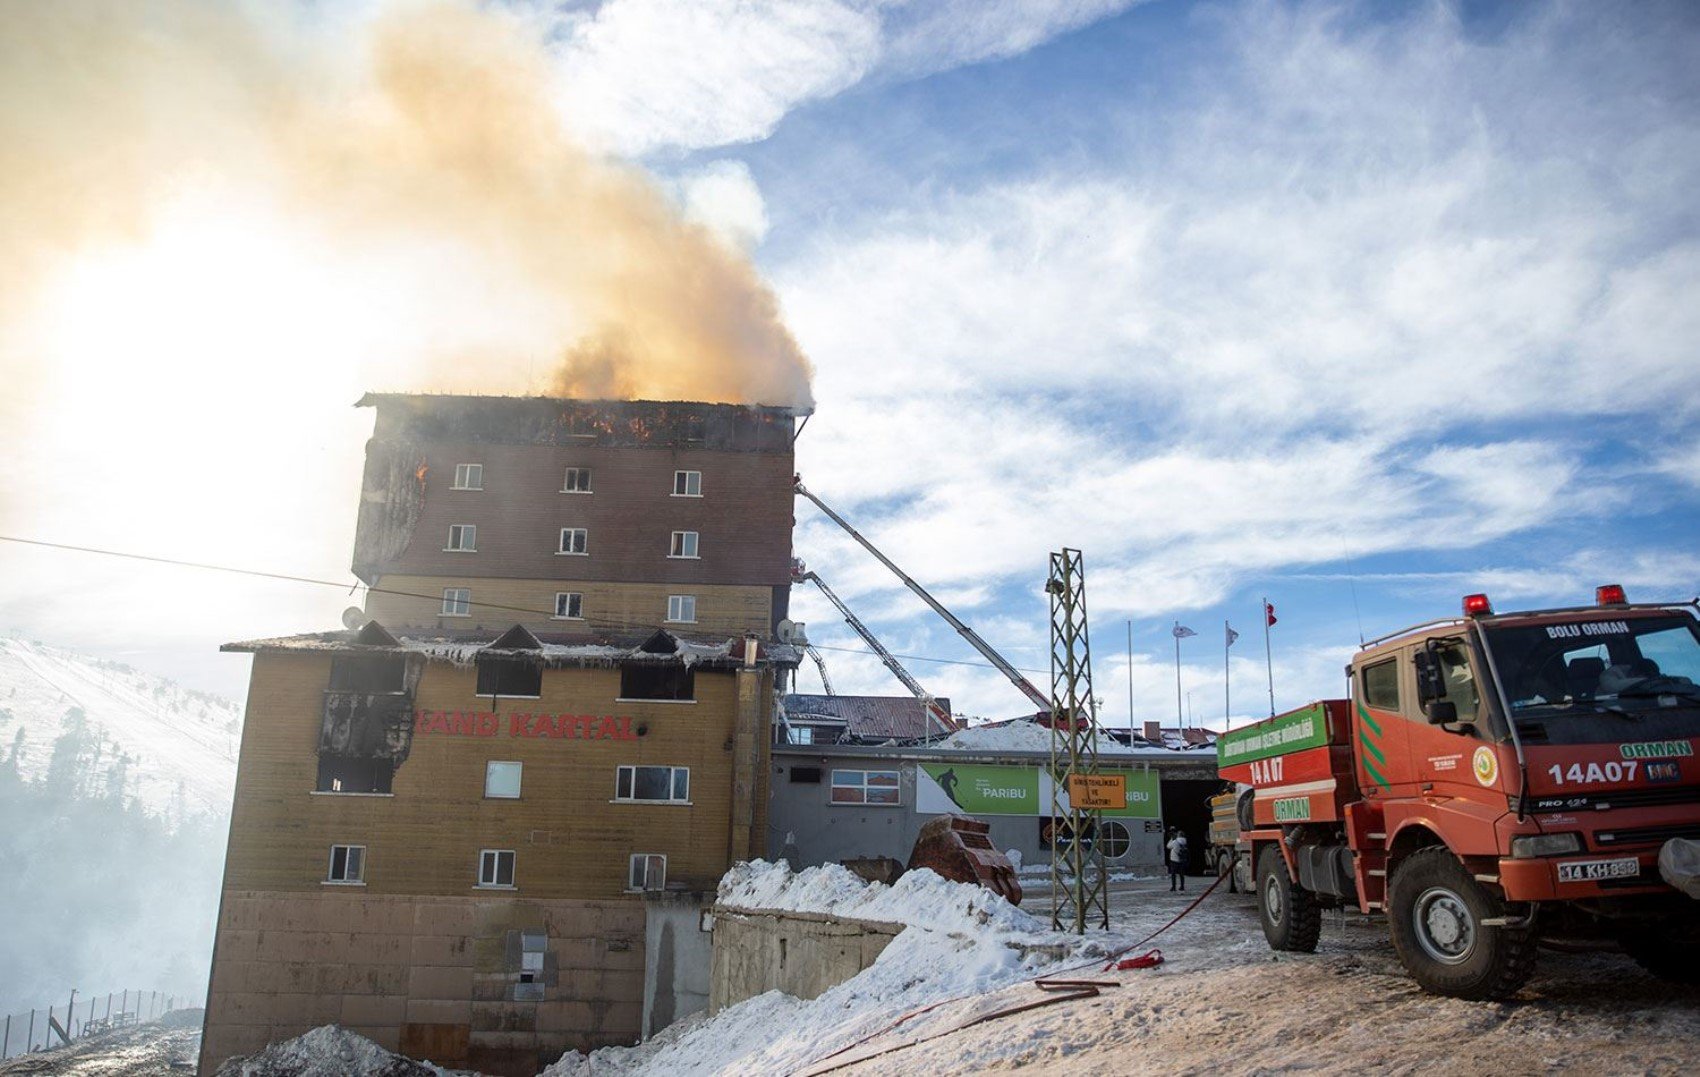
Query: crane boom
x=938 y=713
x=1022 y=684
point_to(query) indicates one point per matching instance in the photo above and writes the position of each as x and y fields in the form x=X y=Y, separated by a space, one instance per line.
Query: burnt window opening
x=805 y=775
x=657 y=681
x=510 y=677
x=354 y=774
x=369 y=673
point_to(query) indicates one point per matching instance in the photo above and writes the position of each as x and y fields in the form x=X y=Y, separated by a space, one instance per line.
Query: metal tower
x=1079 y=883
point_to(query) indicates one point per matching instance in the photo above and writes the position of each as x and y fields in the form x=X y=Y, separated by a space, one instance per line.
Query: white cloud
x=723 y=197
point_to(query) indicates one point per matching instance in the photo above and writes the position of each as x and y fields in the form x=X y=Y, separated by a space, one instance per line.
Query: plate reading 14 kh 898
x=1585 y=870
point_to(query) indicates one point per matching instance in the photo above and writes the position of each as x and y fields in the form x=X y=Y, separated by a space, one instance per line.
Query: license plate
x=1580 y=871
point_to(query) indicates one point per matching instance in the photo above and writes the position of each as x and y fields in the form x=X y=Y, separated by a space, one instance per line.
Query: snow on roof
x=873 y=717
x=464 y=650
x=1022 y=735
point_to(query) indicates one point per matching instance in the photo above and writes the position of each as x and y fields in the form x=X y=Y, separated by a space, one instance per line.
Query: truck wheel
x=1291 y=919
x=1243 y=811
x=1436 y=914
x=1668 y=959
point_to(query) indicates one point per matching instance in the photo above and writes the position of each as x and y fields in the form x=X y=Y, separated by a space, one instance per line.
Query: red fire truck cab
x=1494 y=780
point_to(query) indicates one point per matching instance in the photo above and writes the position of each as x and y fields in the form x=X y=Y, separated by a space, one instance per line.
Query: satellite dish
x=790 y=631
x=353 y=618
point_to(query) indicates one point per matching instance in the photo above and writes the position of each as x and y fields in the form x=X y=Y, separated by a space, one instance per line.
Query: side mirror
x=1440 y=711
x=1430 y=684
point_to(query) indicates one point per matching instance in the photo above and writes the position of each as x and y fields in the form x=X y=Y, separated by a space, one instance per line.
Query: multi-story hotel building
x=465 y=828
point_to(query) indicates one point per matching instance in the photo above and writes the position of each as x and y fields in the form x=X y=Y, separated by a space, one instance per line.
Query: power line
x=344 y=586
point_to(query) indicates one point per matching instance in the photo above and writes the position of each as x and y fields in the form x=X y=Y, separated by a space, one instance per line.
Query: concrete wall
x=432 y=977
x=801 y=954
x=677 y=957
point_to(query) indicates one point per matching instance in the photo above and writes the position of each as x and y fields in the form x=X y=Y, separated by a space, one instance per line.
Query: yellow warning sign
x=1097 y=792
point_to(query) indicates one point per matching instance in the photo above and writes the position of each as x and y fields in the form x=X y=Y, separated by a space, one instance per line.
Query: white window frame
x=465 y=473
x=861 y=785
x=625 y=777
x=488 y=764
x=647 y=859
x=565 y=531
x=513 y=869
x=683 y=478
x=571 y=475
x=457 y=602
x=685 y=546
x=569 y=616
x=676 y=605
x=468 y=534
x=359 y=878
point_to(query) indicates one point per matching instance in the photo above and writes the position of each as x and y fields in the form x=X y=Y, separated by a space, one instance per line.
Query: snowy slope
x=173 y=735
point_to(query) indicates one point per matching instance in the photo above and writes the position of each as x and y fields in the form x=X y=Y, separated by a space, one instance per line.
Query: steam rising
x=425 y=131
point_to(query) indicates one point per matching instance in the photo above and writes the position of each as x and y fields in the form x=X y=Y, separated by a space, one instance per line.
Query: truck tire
x=1668 y=959
x=1436 y=911
x=1243 y=811
x=1289 y=914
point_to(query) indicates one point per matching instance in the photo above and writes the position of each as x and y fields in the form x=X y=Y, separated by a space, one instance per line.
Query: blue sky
x=1361 y=307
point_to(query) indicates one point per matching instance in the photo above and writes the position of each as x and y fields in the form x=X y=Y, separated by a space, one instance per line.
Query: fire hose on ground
x=1055 y=988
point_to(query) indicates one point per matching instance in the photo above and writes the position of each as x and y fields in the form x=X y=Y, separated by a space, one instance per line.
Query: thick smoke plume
x=422 y=128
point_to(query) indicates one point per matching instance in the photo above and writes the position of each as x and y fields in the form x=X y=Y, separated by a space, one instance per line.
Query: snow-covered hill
x=173 y=738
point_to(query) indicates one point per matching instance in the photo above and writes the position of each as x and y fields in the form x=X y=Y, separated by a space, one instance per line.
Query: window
x=457 y=602
x=569 y=606
x=687 y=484
x=510 y=677
x=671 y=680
x=574 y=540
x=805 y=775
x=684 y=544
x=682 y=609
x=577 y=481
x=1116 y=839
x=663 y=784
x=1381 y=685
x=368 y=673
x=648 y=872
x=1459 y=681
x=866 y=787
x=354 y=774
x=463 y=538
x=348 y=865
x=469 y=477
x=501 y=780
x=496 y=868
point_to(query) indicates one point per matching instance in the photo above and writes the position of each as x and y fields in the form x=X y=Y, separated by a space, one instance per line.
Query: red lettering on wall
x=488 y=724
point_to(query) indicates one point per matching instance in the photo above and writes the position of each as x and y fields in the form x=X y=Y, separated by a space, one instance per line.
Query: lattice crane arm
x=939 y=714
x=1022 y=684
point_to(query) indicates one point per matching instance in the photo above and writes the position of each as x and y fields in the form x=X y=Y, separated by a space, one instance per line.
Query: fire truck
x=1495 y=781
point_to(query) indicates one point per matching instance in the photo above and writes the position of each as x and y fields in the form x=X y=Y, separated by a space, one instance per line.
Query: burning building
x=467 y=826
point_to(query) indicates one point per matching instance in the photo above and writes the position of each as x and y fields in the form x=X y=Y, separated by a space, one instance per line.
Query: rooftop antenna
x=353 y=618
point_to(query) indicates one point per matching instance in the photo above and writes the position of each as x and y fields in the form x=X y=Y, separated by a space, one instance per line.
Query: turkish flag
x=1269 y=614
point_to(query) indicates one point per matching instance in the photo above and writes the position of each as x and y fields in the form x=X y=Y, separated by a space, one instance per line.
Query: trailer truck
x=1493 y=782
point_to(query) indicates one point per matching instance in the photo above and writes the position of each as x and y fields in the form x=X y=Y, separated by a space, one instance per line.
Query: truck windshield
x=1584 y=680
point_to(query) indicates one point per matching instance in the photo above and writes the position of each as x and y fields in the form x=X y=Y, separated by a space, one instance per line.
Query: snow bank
x=961 y=940
x=327 y=1051
x=920 y=898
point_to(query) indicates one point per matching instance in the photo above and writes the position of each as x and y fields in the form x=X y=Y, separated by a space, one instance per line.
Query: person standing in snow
x=1177 y=859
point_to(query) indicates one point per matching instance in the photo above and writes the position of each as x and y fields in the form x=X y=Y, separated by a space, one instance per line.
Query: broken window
x=682 y=609
x=463 y=538
x=687 y=484
x=496 y=868
x=510 y=677
x=368 y=673
x=658 y=681
x=648 y=872
x=577 y=481
x=574 y=540
x=684 y=544
x=569 y=605
x=469 y=477
x=662 y=784
x=805 y=775
x=354 y=774
x=348 y=864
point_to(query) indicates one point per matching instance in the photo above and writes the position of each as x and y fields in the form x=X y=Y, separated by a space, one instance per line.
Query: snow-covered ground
x=177 y=738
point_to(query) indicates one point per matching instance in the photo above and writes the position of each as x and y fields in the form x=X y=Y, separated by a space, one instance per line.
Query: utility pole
x=1079 y=883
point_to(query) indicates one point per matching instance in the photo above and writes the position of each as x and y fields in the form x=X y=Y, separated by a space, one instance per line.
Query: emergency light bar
x=1477 y=605
x=1610 y=594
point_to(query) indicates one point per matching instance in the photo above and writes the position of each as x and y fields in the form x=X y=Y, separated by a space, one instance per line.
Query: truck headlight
x=1531 y=845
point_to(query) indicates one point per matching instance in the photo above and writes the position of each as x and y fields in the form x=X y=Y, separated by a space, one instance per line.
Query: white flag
x=1182 y=631
x=1232 y=635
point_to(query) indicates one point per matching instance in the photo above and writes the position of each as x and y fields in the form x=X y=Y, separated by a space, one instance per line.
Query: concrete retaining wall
x=677 y=958
x=801 y=954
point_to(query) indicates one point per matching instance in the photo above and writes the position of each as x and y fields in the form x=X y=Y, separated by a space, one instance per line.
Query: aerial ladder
x=801 y=574
x=1022 y=684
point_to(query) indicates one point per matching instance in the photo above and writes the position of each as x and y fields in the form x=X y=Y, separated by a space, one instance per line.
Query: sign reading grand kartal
x=555 y=726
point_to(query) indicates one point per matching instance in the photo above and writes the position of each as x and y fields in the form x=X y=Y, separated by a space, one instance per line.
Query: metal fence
x=56 y=1026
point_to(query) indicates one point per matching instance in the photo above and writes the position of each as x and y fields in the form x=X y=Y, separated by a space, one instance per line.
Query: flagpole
x=1130 y=678
x=1268 y=662
x=1227 y=684
x=1180 y=720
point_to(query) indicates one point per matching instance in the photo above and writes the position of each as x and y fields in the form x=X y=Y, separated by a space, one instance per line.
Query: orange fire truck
x=1495 y=780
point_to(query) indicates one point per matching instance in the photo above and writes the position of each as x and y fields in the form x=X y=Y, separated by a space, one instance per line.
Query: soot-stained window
x=352 y=774
x=509 y=677
x=372 y=673
x=659 y=681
